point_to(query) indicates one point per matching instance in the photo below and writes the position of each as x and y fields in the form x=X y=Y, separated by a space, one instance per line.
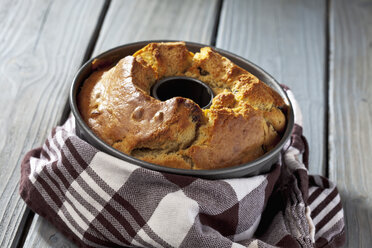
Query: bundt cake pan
x=261 y=165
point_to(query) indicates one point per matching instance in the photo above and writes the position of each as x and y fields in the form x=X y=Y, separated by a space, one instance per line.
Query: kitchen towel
x=97 y=200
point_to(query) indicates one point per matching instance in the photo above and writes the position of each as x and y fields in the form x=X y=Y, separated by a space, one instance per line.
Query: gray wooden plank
x=287 y=39
x=42 y=45
x=43 y=234
x=350 y=134
x=128 y=21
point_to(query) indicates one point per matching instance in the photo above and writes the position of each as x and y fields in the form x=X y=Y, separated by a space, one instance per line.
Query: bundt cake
x=244 y=121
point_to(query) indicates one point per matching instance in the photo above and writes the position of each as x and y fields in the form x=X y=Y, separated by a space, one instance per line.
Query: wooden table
x=321 y=49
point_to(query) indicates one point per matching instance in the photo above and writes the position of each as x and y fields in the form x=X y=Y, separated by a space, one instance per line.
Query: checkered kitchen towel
x=100 y=201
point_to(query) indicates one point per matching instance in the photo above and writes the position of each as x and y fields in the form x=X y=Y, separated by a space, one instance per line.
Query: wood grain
x=42 y=45
x=287 y=39
x=128 y=21
x=42 y=234
x=350 y=134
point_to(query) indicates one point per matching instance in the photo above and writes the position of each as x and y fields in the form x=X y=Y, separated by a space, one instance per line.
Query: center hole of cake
x=190 y=88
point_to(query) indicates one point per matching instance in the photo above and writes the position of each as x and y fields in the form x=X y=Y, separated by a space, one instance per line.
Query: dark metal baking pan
x=261 y=165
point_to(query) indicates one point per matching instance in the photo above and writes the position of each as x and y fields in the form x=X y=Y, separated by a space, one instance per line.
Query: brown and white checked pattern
x=100 y=201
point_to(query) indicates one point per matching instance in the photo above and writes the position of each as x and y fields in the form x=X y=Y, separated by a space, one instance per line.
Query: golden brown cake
x=244 y=121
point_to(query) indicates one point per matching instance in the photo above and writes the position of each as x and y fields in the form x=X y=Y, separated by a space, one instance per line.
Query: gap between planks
x=326 y=86
x=28 y=216
x=88 y=53
x=217 y=22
